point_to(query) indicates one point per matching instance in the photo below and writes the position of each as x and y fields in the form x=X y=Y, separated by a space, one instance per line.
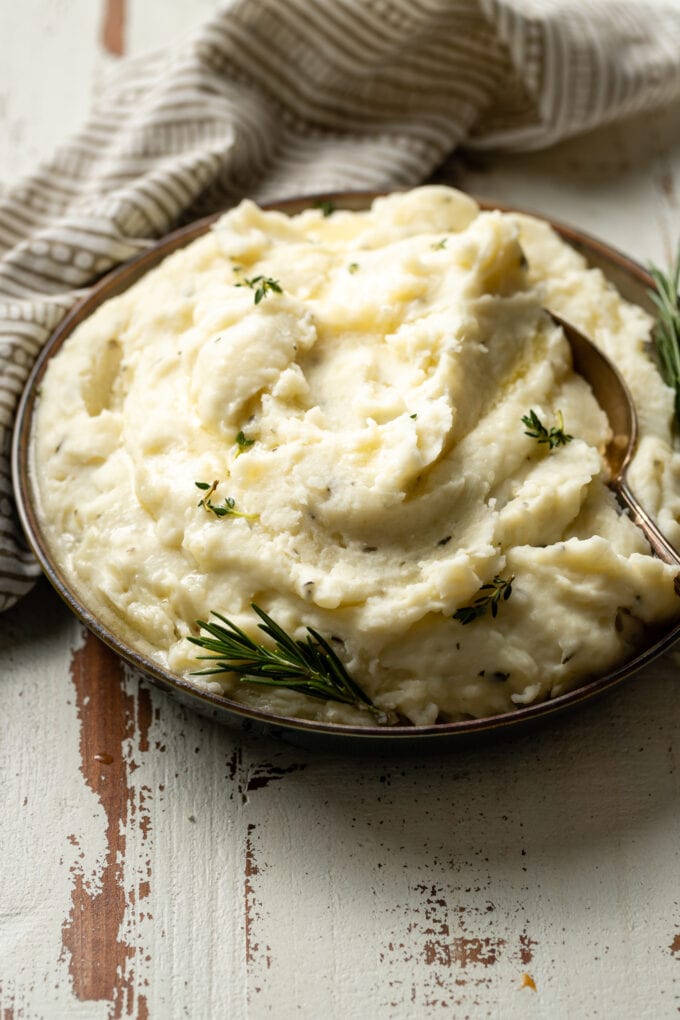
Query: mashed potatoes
x=356 y=385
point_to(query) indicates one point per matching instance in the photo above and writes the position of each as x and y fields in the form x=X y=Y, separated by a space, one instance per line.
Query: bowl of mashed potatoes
x=357 y=417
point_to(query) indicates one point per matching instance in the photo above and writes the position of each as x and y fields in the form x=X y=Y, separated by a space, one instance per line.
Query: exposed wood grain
x=113 y=27
x=101 y=962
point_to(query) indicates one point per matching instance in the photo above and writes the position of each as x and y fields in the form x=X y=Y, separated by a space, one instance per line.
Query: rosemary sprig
x=556 y=436
x=262 y=285
x=667 y=330
x=308 y=667
x=490 y=595
x=225 y=509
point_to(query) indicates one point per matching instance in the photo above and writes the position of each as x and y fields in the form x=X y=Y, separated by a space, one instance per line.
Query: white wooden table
x=156 y=865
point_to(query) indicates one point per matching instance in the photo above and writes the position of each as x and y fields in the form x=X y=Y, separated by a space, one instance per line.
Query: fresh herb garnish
x=225 y=509
x=667 y=330
x=262 y=285
x=353 y=267
x=490 y=595
x=309 y=666
x=325 y=207
x=242 y=441
x=439 y=245
x=555 y=436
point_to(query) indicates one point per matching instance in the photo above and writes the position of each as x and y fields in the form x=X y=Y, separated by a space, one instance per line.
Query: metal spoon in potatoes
x=613 y=396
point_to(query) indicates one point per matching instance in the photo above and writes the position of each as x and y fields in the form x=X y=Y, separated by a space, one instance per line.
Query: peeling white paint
x=52 y=825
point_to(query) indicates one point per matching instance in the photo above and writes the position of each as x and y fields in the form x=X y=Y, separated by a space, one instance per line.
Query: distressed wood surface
x=157 y=865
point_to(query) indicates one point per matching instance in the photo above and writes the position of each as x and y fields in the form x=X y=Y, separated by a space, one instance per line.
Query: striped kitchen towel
x=283 y=97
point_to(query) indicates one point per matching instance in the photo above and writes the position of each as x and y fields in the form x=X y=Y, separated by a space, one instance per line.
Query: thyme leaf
x=262 y=285
x=325 y=207
x=490 y=596
x=242 y=441
x=556 y=436
x=309 y=666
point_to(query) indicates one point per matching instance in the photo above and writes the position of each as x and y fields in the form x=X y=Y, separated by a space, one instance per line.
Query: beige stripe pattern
x=272 y=98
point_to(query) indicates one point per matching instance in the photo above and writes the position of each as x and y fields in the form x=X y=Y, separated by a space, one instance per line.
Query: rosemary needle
x=667 y=329
x=309 y=666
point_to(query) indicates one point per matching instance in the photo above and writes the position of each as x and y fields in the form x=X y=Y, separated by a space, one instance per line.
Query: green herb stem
x=667 y=330
x=225 y=509
x=309 y=666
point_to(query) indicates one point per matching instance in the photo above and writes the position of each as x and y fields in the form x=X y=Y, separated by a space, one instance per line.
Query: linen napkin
x=273 y=98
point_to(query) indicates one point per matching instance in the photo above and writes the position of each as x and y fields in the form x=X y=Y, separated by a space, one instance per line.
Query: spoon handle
x=658 y=541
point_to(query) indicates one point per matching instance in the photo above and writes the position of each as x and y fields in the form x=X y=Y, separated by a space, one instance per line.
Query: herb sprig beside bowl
x=667 y=330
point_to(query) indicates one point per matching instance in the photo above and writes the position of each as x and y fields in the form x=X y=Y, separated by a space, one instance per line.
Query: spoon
x=613 y=396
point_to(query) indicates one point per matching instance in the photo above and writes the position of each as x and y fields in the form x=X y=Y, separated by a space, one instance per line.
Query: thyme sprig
x=556 y=436
x=225 y=509
x=309 y=666
x=262 y=285
x=490 y=596
x=667 y=330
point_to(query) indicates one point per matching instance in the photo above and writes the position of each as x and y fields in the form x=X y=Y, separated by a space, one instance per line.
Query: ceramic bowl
x=631 y=280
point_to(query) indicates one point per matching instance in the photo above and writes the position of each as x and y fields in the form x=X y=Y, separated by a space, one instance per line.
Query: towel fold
x=273 y=98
